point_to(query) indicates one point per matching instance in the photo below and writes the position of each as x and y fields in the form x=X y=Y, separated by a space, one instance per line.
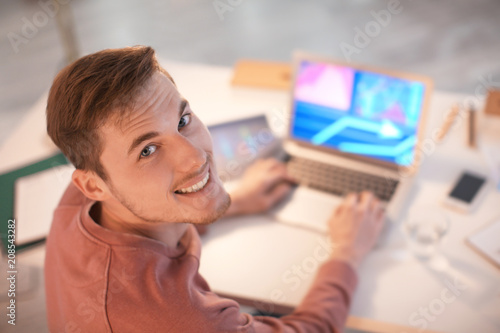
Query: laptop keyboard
x=339 y=181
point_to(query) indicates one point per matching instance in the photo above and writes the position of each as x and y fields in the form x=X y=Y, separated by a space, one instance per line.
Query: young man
x=123 y=253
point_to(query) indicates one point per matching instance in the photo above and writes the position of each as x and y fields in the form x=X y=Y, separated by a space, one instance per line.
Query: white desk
x=254 y=261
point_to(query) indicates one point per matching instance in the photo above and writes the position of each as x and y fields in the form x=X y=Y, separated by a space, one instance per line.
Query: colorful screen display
x=238 y=143
x=357 y=112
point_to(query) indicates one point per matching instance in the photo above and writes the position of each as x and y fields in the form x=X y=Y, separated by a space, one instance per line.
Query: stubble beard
x=202 y=219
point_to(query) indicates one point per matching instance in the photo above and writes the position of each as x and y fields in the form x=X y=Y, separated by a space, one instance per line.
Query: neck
x=168 y=233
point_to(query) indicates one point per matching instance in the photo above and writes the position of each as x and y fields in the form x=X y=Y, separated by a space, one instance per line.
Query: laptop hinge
x=294 y=149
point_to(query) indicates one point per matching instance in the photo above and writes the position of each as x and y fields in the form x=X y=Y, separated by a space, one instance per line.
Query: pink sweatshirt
x=98 y=280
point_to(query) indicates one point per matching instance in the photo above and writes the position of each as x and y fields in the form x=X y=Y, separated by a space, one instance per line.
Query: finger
x=276 y=176
x=286 y=175
x=366 y=199
x=381 y=214
x=275 y=162
x=274 y=165
x=351 y=199
x=278 y=193
x=375 y=204
x=277 y=165
x=377 y=214
x=289 y=178
x=337 y=210
x=263 y=166
x=271 y=163
x=380 y=222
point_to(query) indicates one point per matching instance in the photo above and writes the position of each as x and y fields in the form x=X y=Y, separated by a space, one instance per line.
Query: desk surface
x=270 y=265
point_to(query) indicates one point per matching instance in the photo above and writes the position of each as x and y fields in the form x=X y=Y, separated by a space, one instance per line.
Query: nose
x=186 y=156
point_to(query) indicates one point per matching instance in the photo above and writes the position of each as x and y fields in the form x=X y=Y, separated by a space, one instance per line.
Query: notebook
x=486 y=242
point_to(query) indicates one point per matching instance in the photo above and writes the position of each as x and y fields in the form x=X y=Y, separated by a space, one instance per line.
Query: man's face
x=159 y=160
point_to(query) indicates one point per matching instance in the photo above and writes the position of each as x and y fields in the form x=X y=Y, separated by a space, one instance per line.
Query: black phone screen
x=467 y=187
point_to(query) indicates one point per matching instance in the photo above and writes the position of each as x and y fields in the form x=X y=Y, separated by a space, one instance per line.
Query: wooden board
x=493 y=103
x=262 y=74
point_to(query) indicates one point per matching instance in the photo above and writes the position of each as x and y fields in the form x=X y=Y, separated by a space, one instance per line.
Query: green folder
x=7 y=182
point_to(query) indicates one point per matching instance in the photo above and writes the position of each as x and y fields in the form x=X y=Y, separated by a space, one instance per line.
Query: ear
x=90 y=184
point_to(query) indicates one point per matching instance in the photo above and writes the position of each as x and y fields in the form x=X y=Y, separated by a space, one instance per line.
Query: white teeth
x=196 y=187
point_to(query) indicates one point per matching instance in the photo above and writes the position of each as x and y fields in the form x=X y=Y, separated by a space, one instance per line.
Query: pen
x=448 y=121
x=471 y=130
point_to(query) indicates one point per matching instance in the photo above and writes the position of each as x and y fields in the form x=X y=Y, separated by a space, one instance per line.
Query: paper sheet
x=36 y=197
x=486 y=241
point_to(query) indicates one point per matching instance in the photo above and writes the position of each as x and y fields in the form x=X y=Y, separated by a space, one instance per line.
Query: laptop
x=351 y=128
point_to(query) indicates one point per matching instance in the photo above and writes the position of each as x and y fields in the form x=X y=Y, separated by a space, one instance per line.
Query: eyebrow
x=182 y=106
x=149 y=135
x=140 y=139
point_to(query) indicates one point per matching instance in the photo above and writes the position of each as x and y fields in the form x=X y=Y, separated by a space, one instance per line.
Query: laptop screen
x=356 y=111
x=238 y=143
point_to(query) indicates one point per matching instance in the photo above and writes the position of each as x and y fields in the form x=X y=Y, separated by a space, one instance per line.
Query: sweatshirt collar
x=116 y=238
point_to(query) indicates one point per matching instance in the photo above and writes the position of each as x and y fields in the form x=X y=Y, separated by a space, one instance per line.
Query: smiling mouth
x=196 y=187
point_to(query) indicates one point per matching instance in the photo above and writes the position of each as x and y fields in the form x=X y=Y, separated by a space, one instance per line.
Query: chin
x=212 y=206
x=206 y=205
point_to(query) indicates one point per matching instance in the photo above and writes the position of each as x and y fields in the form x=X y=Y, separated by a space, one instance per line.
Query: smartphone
x=467 y=192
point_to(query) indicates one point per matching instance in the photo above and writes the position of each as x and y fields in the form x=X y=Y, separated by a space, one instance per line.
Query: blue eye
x=148 y=150
x=184 y=121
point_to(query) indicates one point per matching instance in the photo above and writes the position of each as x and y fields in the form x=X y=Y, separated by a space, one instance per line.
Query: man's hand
x=355 y=227
x=263 y=185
